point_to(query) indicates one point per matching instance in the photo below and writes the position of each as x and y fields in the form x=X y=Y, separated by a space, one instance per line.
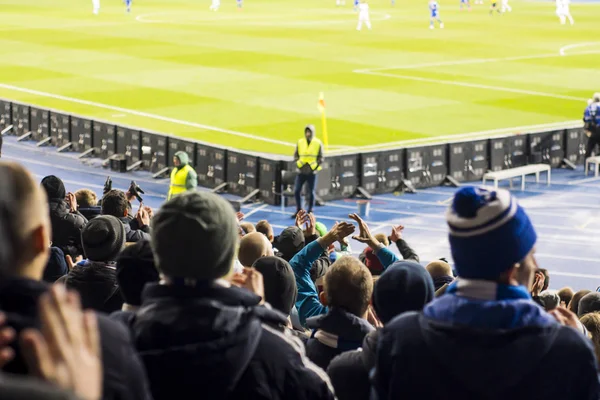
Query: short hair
x=588 y=304
x=591 y=322
x=348 y=285
x=25 y=208
x=115 y=203
x=86 y=198
x=382 y=238
x=438 y=269
x=247 y=227
x=252 y=247
x=550 y=299
x=546 y=278
x=596 y=97
x=573 y=306
x=263 y=226
x=565 y=294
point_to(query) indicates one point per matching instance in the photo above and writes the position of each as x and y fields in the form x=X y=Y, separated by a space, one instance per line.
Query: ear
x=126 y=212
x=40 y=240
x=323 y=299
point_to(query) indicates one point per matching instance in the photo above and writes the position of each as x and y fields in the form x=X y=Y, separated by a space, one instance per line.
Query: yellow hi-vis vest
x=178 y=179
x=308 y=153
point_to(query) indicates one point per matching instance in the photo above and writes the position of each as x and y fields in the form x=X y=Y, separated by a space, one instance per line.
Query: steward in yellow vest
x=183 y=176
x=309 y=157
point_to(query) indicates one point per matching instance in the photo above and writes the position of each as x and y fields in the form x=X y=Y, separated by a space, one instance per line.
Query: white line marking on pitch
x=460 y=136
x=146 y=115
x=563 y=50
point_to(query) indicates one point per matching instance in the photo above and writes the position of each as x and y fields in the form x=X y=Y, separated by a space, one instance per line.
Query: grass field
x=250 y=79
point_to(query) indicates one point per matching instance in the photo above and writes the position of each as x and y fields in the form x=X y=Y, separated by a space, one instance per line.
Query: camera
x=135 y=190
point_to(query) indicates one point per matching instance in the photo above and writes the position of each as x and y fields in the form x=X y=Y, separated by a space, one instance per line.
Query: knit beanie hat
x=404 y=286
x=54 y=187
x=103 y=238
x=489 y=232
x=290 y=242
x=321 y=228
x=195 y=236
x=135 y=268
x=279 y=281
x=588 y=304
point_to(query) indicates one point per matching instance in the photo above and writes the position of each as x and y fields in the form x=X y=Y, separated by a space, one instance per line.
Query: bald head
x=437 y=269
x=252 y=247
x=29 y=221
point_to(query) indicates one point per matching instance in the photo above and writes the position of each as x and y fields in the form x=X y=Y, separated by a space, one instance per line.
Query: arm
x=307 y=301
x=385 y=256
x=320 y=155
x=192 y=180
x=296 y=155
x=407 y=252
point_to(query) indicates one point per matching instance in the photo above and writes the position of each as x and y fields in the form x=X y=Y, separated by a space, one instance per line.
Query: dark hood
x=369 y=349
x=58 y=207
x=183 y=158
x=198 y=337
x=348 y=327
x=279 y=282
x=97 y=285
x=54 y=187
x=468 y=354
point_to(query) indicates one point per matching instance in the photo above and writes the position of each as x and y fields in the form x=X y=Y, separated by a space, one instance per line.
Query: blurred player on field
x=363 y=15
x=494 y=7
x=563 y=12
x=96 y=4
x=340 y=3
x=434 y=14
x=465 y=2
x=356 y=2
x=214 y=6
x=240 y=3
x=128 y=5
x=505 y=6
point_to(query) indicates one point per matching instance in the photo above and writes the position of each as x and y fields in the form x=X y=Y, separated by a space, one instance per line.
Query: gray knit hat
x=103 y=238
x=195 y=236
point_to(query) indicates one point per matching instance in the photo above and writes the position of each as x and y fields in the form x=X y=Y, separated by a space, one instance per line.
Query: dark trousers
x=311 y=182
x=592 y=142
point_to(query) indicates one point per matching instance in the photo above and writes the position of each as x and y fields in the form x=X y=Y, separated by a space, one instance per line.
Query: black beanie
x=403 y=286
x=103 y=238
x=54 y=187
x=195 y=236
x=135 y=268
x=290 y=242
x=588 y=304
x=279 y=281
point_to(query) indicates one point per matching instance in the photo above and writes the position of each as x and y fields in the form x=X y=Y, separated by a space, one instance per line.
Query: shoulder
x=286 y=352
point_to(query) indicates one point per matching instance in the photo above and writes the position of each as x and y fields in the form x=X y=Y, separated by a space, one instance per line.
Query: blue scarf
x=487 y=305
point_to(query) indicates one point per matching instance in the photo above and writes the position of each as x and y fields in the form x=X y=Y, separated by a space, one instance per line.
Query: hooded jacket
x=124 y=376
x=192 y=177
x=334 y=333
x=135 y=235
x=216 y=342
x=463 y=347
x=66 y=227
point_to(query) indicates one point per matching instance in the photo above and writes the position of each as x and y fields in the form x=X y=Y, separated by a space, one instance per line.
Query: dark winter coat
x=56 y=266
x=97 y=285
x=17 y=387
x=217 y=343
x=124 y=376
x=349 y=372
x=446 y=353
x=334 y=333
x=66 y=227
x=135 y=235
x=90 y=212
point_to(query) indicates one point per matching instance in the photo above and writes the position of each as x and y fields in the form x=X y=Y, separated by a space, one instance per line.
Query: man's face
x=308 y=134
x=176 y=161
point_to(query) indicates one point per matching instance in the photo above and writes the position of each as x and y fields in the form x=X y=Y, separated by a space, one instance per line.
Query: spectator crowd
x=98 y=301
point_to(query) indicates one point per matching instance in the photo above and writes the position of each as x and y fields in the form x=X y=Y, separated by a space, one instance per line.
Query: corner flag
x=321 y=107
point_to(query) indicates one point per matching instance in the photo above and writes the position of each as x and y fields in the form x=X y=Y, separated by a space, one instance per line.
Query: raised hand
x=396 y=233
x=364 y=235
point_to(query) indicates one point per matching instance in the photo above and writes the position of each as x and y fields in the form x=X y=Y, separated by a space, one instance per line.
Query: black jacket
x=349 y=372
x=124 y=376
x=66 y=228
x=17 y=387
x=97 y=286
x=135 y=235
x=421 y=358
x=90 y=212
x=56 y=267
x=334 y=333
x=217 y=343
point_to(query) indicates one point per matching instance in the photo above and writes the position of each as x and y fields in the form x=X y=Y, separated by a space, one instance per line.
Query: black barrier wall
x=246 y=174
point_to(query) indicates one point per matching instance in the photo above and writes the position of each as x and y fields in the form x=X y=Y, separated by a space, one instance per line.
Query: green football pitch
x=251 y=78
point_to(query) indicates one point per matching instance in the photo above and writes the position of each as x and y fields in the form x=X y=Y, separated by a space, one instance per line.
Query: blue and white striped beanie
x=489 y=232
